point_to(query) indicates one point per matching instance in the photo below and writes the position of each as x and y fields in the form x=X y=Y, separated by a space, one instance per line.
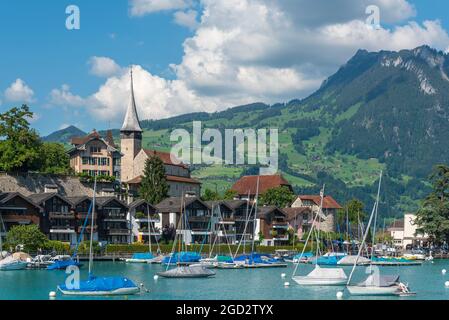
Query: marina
x=427 y=280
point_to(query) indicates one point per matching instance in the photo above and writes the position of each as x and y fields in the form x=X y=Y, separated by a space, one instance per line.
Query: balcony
x=62 y=230
x=228 y=220
x=280 y=225
x=199 y=219
x=82 y=215
x=115 y=217
x=61 y=215
x=88 y=228
x=118 y=232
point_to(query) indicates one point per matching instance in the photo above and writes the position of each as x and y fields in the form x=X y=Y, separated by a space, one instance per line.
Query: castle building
x=135 y=157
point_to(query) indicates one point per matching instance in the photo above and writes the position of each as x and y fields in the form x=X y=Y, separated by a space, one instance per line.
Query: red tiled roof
x=292 y=213
x=82 y=140
x=164 y=156
x=397 y=224
x=138 y=180
x=328 y=201
x=249 y=183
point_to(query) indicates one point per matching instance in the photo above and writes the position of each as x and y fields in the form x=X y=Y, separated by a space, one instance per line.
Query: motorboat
x=16 y=261
x=61 y=262
x=40 y=261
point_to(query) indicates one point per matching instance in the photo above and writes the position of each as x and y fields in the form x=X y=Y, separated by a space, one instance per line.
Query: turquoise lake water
x=247 y=284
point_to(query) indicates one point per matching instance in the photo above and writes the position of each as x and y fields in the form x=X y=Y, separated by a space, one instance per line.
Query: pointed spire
x=131 y=122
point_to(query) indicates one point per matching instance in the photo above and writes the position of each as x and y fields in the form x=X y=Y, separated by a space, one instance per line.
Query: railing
x=118 y=231
x=199 y=219
x=61 y=215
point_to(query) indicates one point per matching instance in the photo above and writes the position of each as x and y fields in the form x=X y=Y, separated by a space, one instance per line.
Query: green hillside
x=381 y=111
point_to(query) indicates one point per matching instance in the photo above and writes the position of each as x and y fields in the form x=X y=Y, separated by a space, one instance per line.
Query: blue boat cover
x=99 y=284
x=59 y=265
x=183 y=257
x=327 y=261
x=142 y=256
x=256 y=258
x=306 y=255
x=225 y=259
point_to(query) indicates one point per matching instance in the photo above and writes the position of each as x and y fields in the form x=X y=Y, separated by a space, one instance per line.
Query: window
x=95 y=149
x=85 y=160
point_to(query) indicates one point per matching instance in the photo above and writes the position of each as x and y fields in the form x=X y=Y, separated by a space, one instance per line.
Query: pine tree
x=154 y=187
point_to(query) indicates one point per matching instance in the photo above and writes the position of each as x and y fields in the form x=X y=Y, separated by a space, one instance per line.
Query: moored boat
x=16 y=261
x=323 y=276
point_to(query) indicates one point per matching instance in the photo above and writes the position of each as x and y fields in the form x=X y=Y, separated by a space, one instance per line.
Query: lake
x=240 y=284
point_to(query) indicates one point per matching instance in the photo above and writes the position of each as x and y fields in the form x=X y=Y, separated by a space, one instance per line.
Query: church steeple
x=131 y=138
x=131 y=122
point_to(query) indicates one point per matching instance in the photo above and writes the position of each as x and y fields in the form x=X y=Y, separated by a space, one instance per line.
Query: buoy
x=156 y=277
x=282 y=275
x=446 y=284
x=286 y=284
x=443 y=271
x=339 y=295
x=52 y=294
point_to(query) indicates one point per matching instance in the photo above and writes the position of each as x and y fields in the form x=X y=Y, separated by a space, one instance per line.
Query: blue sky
x=182 y=65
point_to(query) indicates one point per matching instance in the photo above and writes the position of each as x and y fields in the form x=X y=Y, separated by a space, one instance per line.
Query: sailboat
x=319 y=276
x=375 y=284
x=99 y=286
x=254 y=259
x=144 y=257
x=182 y=259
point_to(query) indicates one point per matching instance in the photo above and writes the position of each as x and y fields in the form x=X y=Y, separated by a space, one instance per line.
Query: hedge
x=223 y=249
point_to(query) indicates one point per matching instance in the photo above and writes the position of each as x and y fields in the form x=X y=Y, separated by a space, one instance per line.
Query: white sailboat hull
x=308 y=281
x=372 y=290
x=138 y=260
x=118 y=292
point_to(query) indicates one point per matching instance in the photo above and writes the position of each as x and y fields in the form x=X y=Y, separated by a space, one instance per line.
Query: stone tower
x=131 y=138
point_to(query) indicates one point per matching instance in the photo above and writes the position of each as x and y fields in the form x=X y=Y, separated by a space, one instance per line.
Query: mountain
x=380 y=111
x=64 y=135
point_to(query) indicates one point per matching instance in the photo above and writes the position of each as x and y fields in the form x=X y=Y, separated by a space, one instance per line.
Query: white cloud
x=63 y=97
x=143 y=7
x=186 y=19
x=19 y=91
x=245 y=51
x=103 y=66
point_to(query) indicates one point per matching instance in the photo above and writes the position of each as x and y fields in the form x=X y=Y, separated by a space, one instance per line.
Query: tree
x=354 y=209
x=19 y=145
x=230 y=195
x=154 y=187
x=53 y=159
x=27 y=235
x=210 y=195
x=433 y=214
x=279 y=197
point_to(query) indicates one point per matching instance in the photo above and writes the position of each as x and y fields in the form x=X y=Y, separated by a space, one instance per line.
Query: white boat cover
x=327 y=273
x=376 y=280
x=350 y=260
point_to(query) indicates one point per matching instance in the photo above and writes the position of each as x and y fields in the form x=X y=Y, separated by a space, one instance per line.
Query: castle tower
x=131 y=138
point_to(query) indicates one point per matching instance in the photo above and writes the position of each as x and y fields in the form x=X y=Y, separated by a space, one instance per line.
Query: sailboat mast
x=366 y=231
x=375 y=214
x=92 y=227
x=255 y=215
x=149 y=229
